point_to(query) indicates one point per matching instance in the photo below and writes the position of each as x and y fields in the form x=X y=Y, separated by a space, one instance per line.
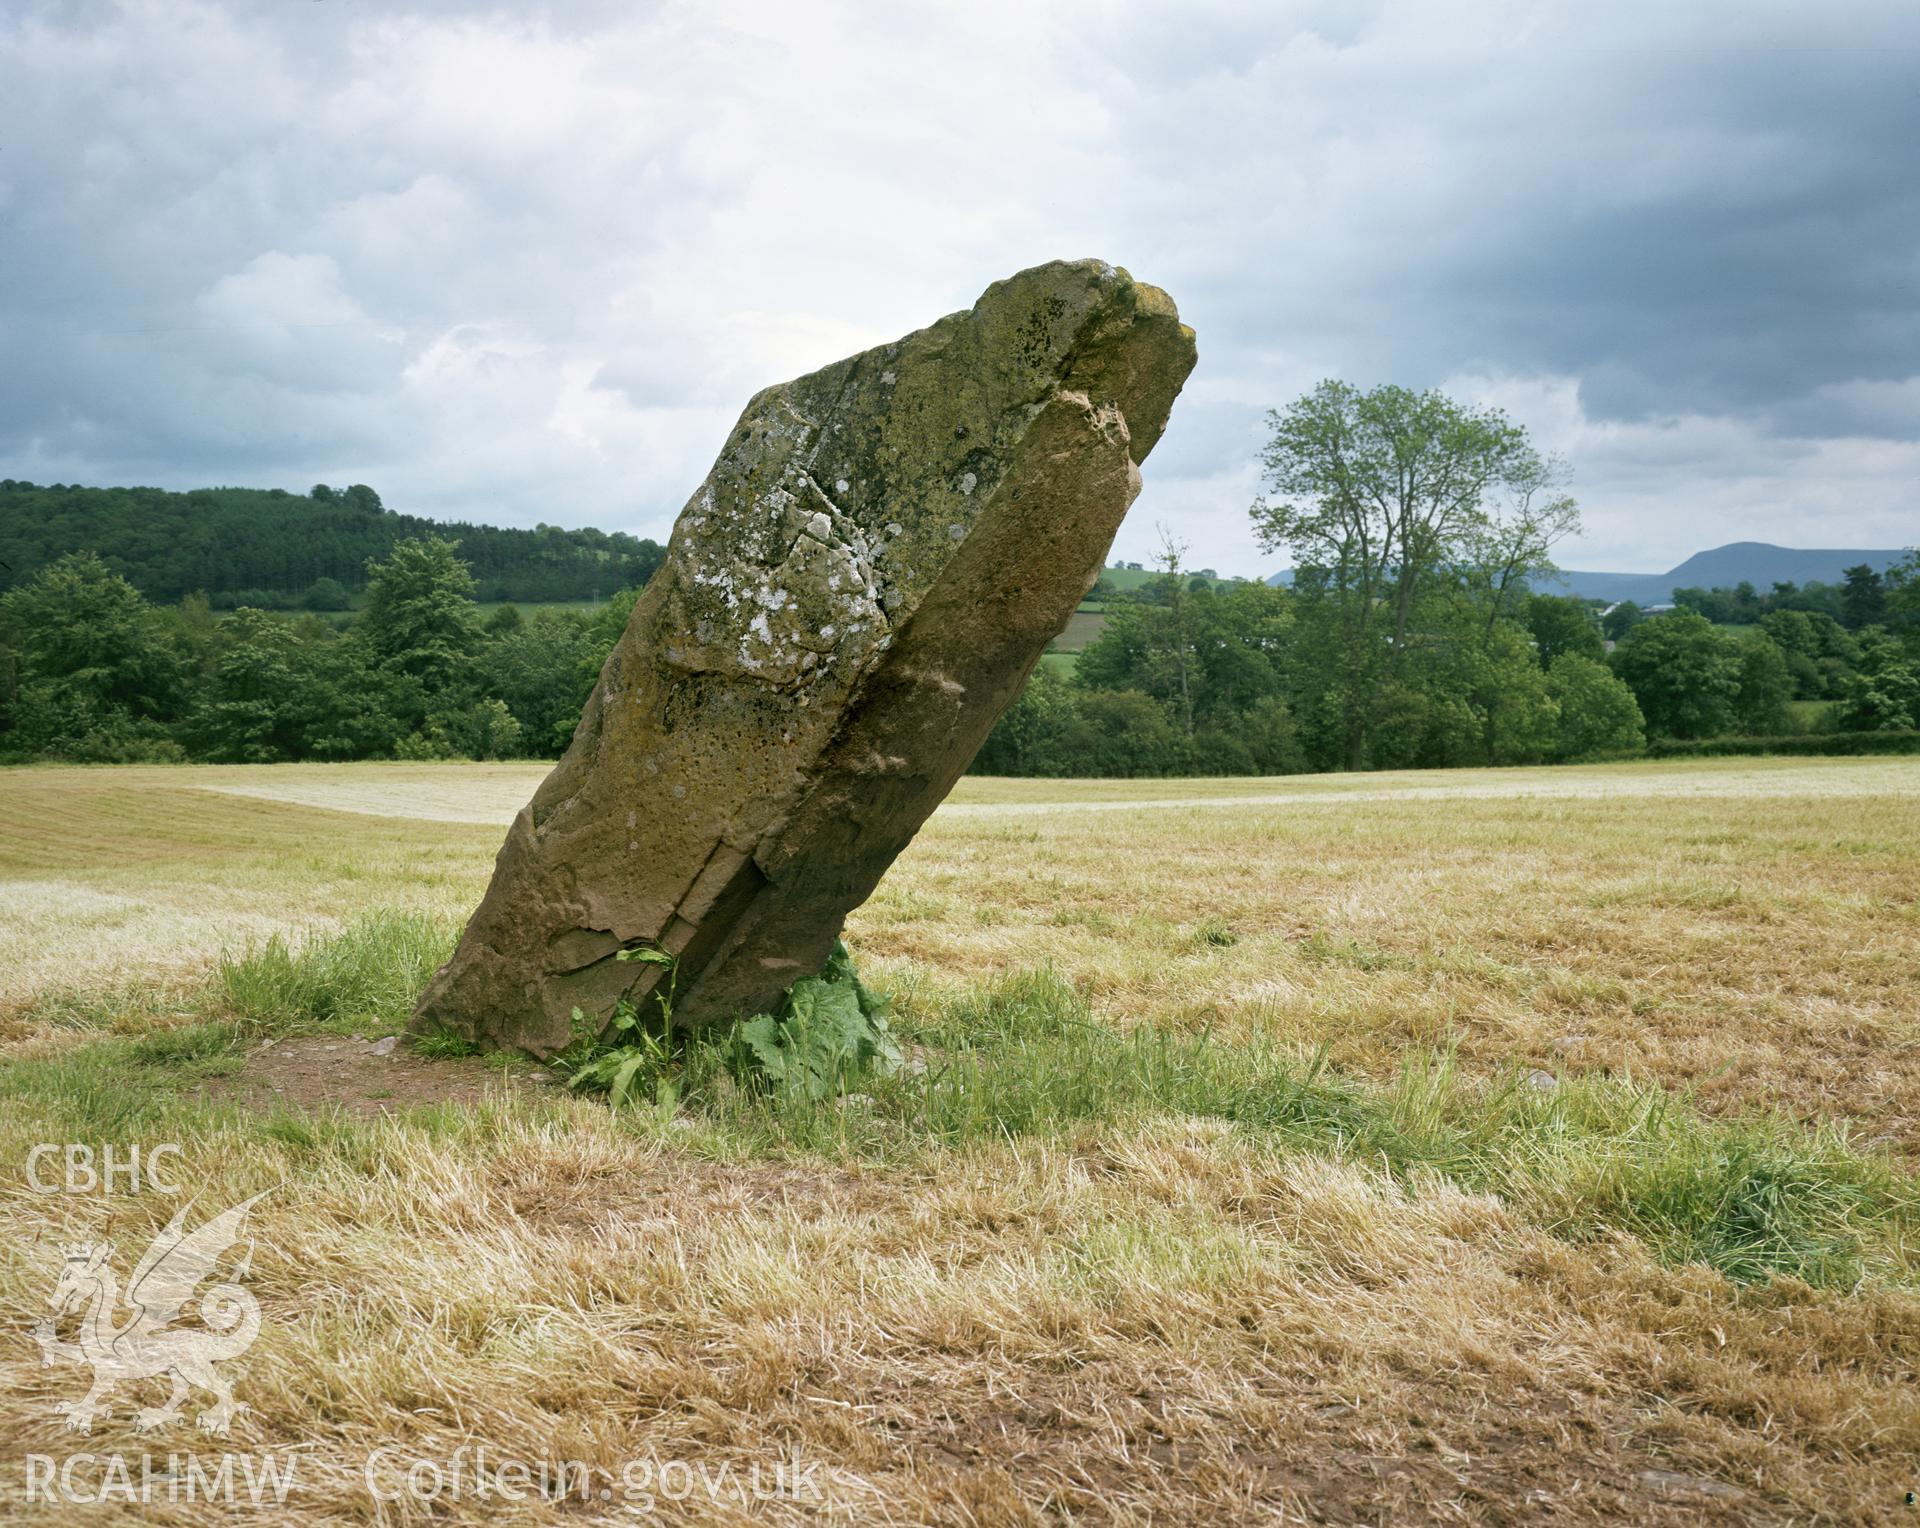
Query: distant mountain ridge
x=1759 y=563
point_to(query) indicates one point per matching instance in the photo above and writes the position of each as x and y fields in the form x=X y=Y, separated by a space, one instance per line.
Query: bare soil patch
x=364 y=1077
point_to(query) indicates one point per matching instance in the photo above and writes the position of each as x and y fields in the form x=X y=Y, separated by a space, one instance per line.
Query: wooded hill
x=268 y=547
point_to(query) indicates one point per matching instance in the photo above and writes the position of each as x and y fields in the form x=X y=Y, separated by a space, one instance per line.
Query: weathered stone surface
x=861 y=586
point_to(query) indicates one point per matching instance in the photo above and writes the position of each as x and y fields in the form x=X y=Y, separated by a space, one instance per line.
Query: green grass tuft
x=362 y=977
x=1021 y=1055
x=1591 y=1157
x=444 y=1045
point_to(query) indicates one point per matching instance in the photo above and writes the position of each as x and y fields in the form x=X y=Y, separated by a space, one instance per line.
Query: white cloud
x=528 y=264
x=1653 y=491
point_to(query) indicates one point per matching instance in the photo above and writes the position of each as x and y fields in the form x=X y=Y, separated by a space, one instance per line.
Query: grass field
x=527 y=608
x=1129 y=579
x=1475 y=1146
x=1082 y=627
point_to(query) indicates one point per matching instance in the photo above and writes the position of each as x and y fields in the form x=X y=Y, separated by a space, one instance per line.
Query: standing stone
x=858 y=590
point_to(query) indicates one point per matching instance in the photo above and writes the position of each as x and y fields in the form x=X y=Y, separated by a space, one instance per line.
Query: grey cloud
x=527 y=265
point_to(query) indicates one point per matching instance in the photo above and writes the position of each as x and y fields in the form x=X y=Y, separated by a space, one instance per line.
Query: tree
x=1124 y=733
x=1902 y=582
x=1820 y=652
x=1175 y=655
x=1717 y=605
x=1595 y=712
x=96 y=672
x=1765 y=688
x=1209 y=656
x=327 y=594
x=1030 y=737
x=1621 y=619
x=1375 y=492
x=1792 y=632
x=1267 y=731
x=1885 y=694
x=543 y=670
x=1684 y=672
x=419 y=617
x=1562 y=624
x=86 y=626
x=1863 y=597
x=1501 y=552
x=251 y=711
x=494 y=733
x=267 y=547
x=1510 y=695
x=506 y=618
x=285 y=689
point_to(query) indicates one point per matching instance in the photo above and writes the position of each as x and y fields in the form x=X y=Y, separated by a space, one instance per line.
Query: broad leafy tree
x=1595 y=712
x=1560 y=624
x=1621 y=619
x=1885 y=693
x=1766 y=686
x=419 y=618
x=93 y=671
x=1685 y=673
x=1376 y=494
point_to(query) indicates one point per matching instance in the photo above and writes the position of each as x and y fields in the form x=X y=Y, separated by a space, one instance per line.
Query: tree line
x=1186 y=677
x=1860 y=600
x=1412 y=636
x=1214 y=681
x=92 y=671
x=275 y=550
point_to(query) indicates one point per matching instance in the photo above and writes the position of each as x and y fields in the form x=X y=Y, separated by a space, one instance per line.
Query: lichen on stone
x=813 y=665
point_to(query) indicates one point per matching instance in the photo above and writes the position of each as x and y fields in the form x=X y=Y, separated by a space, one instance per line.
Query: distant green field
x=1082 y=627
x=1129 y=579
x=527 y=608
x=534 y=607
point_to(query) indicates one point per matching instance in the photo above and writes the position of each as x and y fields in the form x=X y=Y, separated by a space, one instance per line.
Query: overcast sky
x=527 y=262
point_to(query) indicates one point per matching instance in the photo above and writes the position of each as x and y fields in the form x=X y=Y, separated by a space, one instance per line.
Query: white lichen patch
x=777 y=581
x=777 y=622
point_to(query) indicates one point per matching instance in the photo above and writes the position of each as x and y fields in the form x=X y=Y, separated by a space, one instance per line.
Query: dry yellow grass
x=1164 y=1320
x=1150 y=1324
x=1749 y=928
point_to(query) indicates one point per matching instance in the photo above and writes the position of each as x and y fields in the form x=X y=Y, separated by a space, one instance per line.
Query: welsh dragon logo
x=141 y=1346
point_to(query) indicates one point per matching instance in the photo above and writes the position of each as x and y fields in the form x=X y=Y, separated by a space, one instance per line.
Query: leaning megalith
x=855 y=594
